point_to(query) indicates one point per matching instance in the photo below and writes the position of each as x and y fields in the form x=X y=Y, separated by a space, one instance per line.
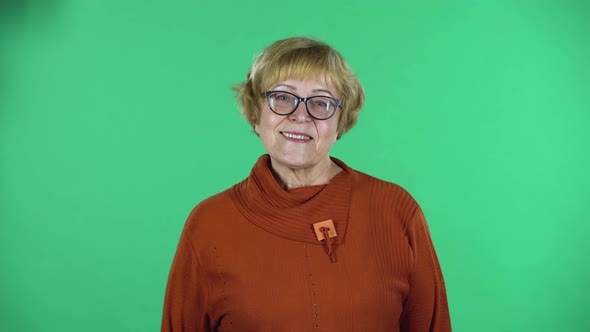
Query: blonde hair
x=301 y=58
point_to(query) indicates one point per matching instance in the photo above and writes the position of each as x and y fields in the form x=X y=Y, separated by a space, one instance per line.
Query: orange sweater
x=249 y=260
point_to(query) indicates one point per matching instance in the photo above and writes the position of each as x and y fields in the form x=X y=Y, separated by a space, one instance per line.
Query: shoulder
x=365 y=181
x=212 y=212
x=383 y=195
x=372 y=186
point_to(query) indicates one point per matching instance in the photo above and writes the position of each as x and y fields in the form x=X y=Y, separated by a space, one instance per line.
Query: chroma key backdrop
x=117 y=118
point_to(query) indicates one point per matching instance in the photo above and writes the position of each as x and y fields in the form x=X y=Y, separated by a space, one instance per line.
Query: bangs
x=304 y=64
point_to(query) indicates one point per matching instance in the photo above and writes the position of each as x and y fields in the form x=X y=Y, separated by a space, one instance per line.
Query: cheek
x=262 y=122
x=270 y=121
x=267 y=123
x=330 y=130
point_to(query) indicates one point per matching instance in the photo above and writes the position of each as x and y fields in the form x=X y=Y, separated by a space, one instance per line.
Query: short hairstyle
x=301 y=58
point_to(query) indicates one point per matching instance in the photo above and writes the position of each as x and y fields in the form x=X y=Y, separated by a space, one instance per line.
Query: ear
x=336 y=138
x=256 y=130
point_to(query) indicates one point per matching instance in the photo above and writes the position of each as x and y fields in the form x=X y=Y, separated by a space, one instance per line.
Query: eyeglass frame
x=266 y=94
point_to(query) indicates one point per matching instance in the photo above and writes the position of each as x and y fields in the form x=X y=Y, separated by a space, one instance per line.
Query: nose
x=300 y=114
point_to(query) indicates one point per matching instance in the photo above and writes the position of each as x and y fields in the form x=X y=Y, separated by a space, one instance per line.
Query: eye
x=322 y=103
x=283 y=97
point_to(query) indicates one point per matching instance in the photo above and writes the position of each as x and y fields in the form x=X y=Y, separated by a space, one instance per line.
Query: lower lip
x=296 y=140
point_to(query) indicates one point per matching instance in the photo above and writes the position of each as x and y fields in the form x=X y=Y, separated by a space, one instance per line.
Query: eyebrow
x=314 y=90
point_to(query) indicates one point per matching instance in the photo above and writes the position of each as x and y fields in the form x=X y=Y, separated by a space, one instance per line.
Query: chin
x=295 y=162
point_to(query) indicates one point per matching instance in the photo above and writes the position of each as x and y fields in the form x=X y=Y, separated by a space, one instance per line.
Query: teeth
x=296 y=136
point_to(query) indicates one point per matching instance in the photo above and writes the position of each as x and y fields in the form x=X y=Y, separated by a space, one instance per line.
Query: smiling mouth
x=296 y=136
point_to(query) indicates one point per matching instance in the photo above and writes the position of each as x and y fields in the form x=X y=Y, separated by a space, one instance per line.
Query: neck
x=319 y=174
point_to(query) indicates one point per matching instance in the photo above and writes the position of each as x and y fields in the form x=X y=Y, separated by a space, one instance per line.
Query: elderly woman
x=305 y=243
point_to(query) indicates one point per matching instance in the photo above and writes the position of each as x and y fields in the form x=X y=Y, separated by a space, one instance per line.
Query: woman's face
x=297 y=140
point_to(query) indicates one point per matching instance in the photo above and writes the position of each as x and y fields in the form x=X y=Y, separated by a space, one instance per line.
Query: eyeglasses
x=285 y=103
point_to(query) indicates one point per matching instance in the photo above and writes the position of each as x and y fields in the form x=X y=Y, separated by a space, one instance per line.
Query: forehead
x=306 y=86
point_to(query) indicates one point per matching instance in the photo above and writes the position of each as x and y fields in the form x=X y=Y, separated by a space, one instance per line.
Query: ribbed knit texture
x=249 y=260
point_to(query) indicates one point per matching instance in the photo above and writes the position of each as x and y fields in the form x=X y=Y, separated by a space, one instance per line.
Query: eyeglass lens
x=285 y=103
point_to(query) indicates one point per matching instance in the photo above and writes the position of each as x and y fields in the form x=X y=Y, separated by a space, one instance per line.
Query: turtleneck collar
x=291 y=213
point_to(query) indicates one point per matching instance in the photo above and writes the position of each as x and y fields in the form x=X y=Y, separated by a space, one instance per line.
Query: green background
x=117 y=117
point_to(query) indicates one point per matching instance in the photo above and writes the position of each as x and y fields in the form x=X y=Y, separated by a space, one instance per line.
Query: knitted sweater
x=250 y=259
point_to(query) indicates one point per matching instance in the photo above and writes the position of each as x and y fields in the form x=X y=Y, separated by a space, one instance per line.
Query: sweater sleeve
x=186 y=293
x=425 y=308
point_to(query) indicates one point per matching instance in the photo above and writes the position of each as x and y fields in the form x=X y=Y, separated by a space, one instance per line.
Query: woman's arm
x=426 y=308
x=186 y=292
